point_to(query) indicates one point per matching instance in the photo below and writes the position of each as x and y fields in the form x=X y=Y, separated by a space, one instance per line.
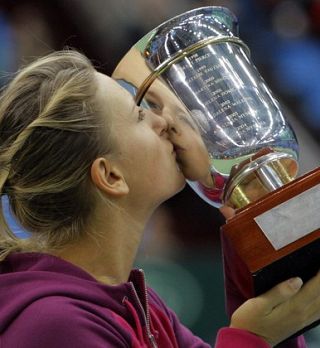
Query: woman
x=84 y=168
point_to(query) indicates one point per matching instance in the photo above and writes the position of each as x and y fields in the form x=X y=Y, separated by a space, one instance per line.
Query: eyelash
x=153 y=105
x=142 y=115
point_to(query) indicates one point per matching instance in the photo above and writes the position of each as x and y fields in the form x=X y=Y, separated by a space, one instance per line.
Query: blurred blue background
x=181 y=251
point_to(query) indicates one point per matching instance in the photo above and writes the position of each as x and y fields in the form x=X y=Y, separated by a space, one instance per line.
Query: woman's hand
x=282 y=311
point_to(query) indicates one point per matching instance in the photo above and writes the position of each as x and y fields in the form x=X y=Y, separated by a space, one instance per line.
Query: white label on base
x=293 y=219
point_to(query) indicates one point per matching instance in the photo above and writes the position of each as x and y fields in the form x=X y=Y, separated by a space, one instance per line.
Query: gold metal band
x=180 y=55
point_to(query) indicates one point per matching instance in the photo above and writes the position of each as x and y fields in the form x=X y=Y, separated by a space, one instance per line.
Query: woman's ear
x=108 y=178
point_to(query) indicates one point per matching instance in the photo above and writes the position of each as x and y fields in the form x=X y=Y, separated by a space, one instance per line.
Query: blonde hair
x=50 y=133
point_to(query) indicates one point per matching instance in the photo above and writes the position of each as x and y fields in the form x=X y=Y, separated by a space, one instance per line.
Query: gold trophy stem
x=239 y=198
x=258 y=178
x=282 y=171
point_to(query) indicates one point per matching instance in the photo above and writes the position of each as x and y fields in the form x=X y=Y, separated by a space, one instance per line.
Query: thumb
x=227 y=212
x=281 y=292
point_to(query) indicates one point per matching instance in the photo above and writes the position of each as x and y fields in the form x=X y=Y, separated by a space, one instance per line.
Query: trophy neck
x=258 y=177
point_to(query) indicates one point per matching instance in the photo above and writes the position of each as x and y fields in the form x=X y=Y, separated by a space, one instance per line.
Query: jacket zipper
x=145 y=314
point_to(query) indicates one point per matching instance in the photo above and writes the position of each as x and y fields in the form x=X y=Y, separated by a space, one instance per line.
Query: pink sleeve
x=230 y=338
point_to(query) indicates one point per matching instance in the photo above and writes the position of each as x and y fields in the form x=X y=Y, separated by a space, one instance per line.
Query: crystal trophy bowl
x=232 y=139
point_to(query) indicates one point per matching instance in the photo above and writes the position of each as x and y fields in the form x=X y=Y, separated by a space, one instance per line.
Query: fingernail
x=295 y=283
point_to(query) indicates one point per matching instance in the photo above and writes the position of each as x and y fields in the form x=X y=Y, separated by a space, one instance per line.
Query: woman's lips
x=178 y=153
x=178 y=148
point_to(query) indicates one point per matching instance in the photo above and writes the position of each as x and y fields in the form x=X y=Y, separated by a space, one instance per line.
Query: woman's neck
x=108 y=250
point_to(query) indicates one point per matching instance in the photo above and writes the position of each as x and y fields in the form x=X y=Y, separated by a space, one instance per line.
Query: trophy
x=233 y=144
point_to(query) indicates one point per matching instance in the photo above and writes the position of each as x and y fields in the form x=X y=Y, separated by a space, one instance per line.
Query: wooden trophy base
x=252 y=262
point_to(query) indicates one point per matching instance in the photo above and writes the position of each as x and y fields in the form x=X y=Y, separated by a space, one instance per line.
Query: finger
x=311 y=312
x=227 y=212
x=310 y=291
x=280 y=293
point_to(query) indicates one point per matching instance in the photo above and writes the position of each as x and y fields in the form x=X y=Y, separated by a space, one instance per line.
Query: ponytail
x=50 y=133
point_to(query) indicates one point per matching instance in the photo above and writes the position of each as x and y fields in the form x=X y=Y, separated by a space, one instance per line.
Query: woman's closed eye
x=154 y=106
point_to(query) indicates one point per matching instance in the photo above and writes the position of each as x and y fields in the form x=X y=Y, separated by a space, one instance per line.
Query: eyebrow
x=152 y=97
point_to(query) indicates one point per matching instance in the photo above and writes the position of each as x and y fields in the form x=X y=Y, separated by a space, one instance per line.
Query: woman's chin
x=178 y=188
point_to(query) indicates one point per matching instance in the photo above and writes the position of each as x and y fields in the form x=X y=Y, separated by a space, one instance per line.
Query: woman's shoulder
x=56 y=321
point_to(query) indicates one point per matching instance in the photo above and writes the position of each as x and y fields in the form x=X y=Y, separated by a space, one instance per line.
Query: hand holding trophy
x=233 y=144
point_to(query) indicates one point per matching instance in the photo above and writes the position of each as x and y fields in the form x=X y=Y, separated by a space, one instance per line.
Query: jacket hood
x=28 y=277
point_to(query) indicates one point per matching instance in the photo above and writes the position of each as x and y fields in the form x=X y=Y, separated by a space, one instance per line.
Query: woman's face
x=142 y=150
x=192 y=155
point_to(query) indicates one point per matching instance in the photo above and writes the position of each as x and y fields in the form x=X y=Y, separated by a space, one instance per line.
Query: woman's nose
x=171 y=122
x=161 y=124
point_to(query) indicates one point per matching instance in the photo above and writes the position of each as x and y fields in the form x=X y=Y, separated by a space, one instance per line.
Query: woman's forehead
x=113 y=96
